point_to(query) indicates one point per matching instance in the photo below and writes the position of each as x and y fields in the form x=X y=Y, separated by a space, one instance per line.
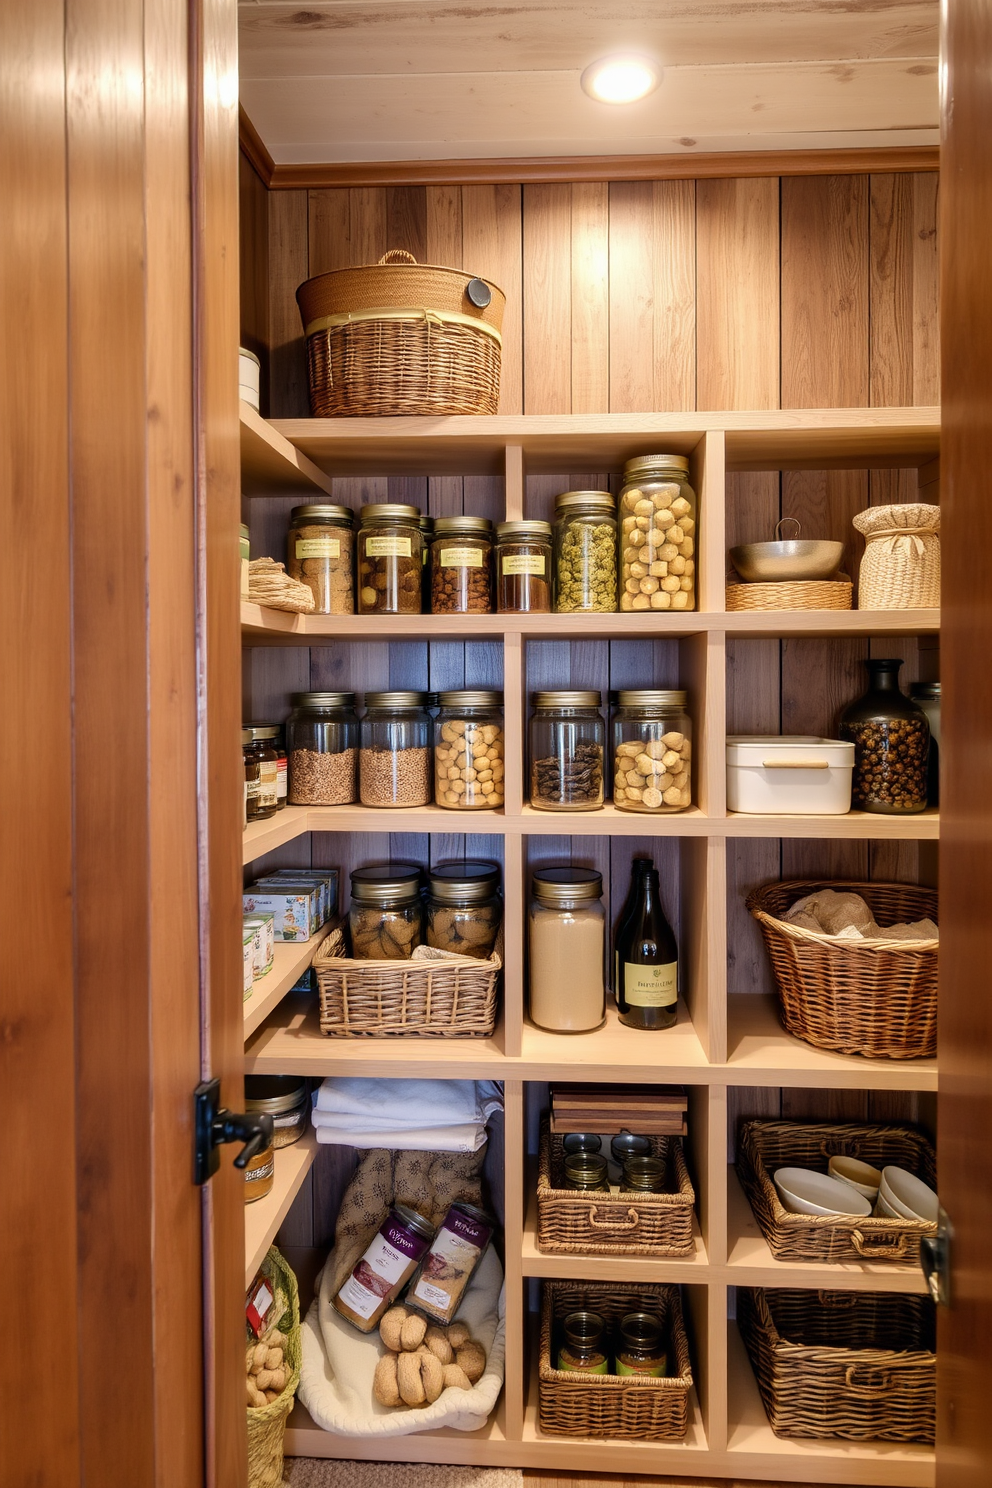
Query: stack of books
x=647 y=1110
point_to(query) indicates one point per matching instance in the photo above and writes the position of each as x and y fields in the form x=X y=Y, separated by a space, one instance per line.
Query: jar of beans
x=523 y=568
x=652 y=752
x=567 y=748
x=390 y=560
x=468 y=751
x=320 y=552
x=394 y=763
x=461 y=566
x=322 y=739
x=657 y=535
x=585 y=540
x=386 y=915
x=891 y=738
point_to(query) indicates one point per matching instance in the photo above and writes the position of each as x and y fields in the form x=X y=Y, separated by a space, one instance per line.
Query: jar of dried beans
x=390 y=560
x=394 y=762
x=523 y=568
x=464 y=908
x=891 y=738
x=652 y=752
x=567 y=747
x=320 y=552
x=585 y=551
x=322 y=738
x=468 y=751
x=657 y=535
x=461 y=566
x=386 y=915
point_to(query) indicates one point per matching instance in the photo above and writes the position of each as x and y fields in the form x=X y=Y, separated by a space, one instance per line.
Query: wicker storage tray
x=763 y=1146
x=267 y=1424
x=626 y=1409
x=614 y=1224
x=804 y=594
x=398 y=337
x=859 y=1365
x=445 y=996
x=877 y=998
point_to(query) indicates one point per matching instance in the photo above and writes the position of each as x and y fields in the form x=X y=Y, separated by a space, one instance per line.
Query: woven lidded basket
x=804 y=594
x=901 y=566
x=267 y=1423
x=859 y=1365
x=435 y=994
x=763 y=1146
x=634 y=1408
x=614 y=1224
x=399 y=337
x=877 y=998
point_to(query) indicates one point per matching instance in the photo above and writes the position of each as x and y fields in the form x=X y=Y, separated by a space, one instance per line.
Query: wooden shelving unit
x=725 y=1047
x=264 y=1216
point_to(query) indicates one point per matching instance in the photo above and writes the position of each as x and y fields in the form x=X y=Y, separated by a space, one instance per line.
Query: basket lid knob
x=397 y=255
x=479 y=293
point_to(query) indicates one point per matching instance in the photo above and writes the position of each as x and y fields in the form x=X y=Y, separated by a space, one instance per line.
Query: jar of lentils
x=523 y=568
x=322 y=739
x=320 y=553
x=657 y=535
x=468 y=751
x=390 y=560
x=652 y=752
x=567 y=748
x=386 y=916
x=461 y=566
x=394 y=765
x=585 y=540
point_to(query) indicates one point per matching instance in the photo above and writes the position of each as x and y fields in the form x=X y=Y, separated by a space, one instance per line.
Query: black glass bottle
x=891 y=738
x=647 y=962
x=638 y=868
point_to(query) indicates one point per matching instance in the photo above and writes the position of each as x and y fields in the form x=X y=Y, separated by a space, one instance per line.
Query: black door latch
x=214 y=1125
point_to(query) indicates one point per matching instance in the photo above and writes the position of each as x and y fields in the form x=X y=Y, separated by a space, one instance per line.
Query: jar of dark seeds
x=390 y=560
x=322 y=739
x=385 y=918
x=567 y=745
x=394 y=764
x=891 y=738
x=464 y=908
x=523 y=568
x=461 y=566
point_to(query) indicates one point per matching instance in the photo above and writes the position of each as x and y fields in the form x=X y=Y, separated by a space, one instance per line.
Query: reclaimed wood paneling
x=737 y=293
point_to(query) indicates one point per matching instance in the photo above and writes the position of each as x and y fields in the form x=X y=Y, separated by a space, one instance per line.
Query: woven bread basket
x=763 y=1146
x=858 y=1365
x=267 y=1423
x=900 y=569
x=804 y=594
x=633 y=1408
x=401 y=338
x=614 y=1224
x=875 y=998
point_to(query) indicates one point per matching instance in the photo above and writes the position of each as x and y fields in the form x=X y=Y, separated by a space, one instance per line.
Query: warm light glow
x=621 y=79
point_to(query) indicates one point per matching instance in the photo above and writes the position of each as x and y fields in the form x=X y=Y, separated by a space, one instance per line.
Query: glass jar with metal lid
x=286 y=1099
x=583 y=1345
x=320 y=553
x=587 y=1171
x=394 y=765
x=261 y=760
x=322 y=737
x=652 y=751
x=461 y=566
x=585 y=539
x=640 y=1349
x=468 y=750
x=427 y=537
x=385 y=918
x=390 y=559
x=523 y=568
x=657 y=535
x=567 y=748
x=566 y=937
x=464 y=908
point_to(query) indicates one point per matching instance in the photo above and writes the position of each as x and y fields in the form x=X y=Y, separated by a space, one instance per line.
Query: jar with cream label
x=461 y=1241
x=390 y=1259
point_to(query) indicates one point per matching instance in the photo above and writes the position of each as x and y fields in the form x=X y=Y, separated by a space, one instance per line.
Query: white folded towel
x=467 y=1137
x=418 y=1115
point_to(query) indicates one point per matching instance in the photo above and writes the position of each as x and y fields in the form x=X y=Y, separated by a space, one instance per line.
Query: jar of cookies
x=464 y=908
x=386 y=915
x=461 y=566
x=585 y=552
x=390 y=559
x=319 y=551
x=468 y=750
x=652 y=752
x=657 y=535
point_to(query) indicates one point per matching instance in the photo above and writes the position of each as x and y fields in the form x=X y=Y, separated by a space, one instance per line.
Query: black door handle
x=214 y=1125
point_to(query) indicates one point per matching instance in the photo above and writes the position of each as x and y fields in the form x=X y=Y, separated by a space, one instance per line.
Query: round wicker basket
x=804 y=594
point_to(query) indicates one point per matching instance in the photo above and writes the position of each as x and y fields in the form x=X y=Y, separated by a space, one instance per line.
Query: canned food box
x=293 y=909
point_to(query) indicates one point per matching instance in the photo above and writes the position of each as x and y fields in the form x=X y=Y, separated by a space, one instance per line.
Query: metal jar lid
x=274 y=1093
x=569 y=499
x=508 y=531
x=395 y=699
x=323 y=699
x=465 y=526
x=479 y=697
x=339 y=516
x=582 y=1329
x=253 y=733
x=384 y=882
x=568 y=699
x=426 y=523
x=643 y=465
x=411 y=1220
x=389 y=511
x=653 y=698
x=555 y=885
x=581 y=1142
x=641 y=1330
x=460 y=883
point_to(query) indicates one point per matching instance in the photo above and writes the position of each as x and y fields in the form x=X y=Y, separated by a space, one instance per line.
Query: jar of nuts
x=585 y=552
x=322 y=739
x=319 y=553
x=461 y=566
x=390 y=560
x=386 y=915
x=567 y=746
x=891 y=738
x=464 y=908
x=468 y=751
x=394 y=761
x=657 y=535
x=652 y=752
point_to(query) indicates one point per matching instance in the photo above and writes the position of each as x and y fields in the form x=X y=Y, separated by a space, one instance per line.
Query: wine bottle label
x=651 y=986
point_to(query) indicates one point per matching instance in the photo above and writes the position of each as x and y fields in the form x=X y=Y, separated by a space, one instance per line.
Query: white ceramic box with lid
x=779 y=774
x=249 y=377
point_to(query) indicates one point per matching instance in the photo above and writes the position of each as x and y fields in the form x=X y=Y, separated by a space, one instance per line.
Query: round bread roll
x=457 y=1335
x=455 y=1378
x=412 y=1332
x=437 y=1341
x=391 y=1326
x=408 y=1379
x=472 y=1358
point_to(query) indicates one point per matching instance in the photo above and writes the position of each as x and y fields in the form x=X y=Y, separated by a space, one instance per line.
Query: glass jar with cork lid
x=320 y=553
x=566 y=941
x=390 y=559
x=657 y=511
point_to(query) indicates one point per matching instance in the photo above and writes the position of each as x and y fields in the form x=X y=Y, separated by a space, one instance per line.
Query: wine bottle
x=638 y=868
x=647 y=961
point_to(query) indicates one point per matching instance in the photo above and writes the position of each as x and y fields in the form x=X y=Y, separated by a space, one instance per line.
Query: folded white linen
x=417 y=1102
x=465 y=1137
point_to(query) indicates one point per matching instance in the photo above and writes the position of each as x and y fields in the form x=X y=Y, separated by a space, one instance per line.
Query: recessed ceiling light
x=621 y=79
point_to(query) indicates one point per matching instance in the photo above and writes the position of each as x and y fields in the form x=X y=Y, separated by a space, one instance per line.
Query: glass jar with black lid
x=386 y=915
x=322 y=737
x=464 y=908
x=261 y=765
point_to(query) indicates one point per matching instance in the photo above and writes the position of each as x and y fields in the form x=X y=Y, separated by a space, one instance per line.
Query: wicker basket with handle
x=858 y=1365
x=633 y=1408
x=763 y=1146
x=877 y=998
x=399 y=337
x=267 y=1423
x=614 y=1224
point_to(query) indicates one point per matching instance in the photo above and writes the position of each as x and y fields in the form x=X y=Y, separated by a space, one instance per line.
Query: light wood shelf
x=264 y=1216
x=271 y=466
x=674 y=1269
x=289 y=963
x=261 y=837
x=760 y=1052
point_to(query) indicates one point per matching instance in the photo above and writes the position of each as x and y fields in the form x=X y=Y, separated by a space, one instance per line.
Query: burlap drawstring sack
x=901 y=566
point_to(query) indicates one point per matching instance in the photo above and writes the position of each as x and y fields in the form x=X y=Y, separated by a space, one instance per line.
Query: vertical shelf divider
x=514 y=919
x=514 y=496
x=515 y=1168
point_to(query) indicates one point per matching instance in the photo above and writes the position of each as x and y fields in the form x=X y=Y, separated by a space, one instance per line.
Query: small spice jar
x=643 y=1175
x=390 y=1259
x=657 y=535
x=320 y=553
x=585 y=540
x=468 y=750
x=891 y=738
x=286 y=1099
x=583 y=1346
x=567 y=746
x=395 y=757
x=640 y=1349
x=587 y=1171
x=390 y=559
x=386 y=914
x=523 y=568
x=652 y=752
x=461 y=566
x=427 y=537
x=464 y=908
x=566 y=942
x=261 y=760
x=260 y=1174
x=322 y=737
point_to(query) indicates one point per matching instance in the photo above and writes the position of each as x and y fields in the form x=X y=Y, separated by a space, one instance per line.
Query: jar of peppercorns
x=891 y=738
x=390 y=559
x=461 y=566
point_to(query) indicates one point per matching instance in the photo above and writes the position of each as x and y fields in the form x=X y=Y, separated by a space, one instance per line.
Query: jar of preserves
x=643 y=1175
x=523 y=568
x=468 y=750
x=385 y=918
x=260 y=1173
x=585 y=542
x=652 y=752
x=261 y=770
x=390 y=559
x=461 y=566
x=566 y=941
x=583 y=1345
x=320 y=553
x=322 y=737
x=286 y=1098
x=640 y=1349
x=464 y=908
x=426 y=537
x=567 y=746
x=587 y=1172
x=657 y=535
x=394 y=763
x=891 y=738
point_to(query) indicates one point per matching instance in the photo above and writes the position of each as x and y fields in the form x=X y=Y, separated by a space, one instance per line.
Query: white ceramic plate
x=804 y=1191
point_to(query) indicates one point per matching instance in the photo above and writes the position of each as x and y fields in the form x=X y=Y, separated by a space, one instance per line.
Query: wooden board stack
x=648 y=1110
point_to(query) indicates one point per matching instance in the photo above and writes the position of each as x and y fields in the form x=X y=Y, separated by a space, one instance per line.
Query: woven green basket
x=267 y=1424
